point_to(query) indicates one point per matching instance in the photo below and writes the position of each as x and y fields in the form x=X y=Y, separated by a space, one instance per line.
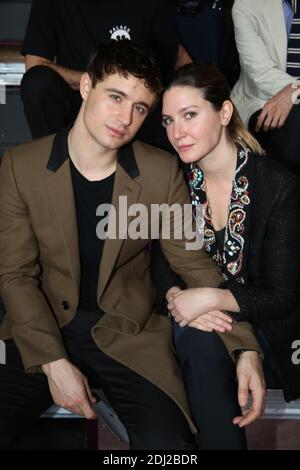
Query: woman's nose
x=178 y=131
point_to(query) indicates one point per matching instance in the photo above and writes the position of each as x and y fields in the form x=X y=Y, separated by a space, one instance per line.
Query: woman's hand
x=187 y=305
x=171 y=293
x=213 y=321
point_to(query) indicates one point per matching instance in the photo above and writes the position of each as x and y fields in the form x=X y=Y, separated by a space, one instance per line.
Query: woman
x=252 y=230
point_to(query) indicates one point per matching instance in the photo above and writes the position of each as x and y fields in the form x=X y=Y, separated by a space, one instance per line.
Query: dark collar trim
x=60 y=153
x=127 y=161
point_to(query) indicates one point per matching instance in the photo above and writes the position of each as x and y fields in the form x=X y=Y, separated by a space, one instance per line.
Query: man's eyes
x=140 y=109
x=116 y=97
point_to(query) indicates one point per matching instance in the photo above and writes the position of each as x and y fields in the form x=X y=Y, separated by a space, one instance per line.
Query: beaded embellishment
x=195 y=181
x=230 y=258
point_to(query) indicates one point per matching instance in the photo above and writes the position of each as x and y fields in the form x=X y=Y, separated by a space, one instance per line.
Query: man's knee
x=23 y=398
x=9 y=434
x=38 y=81
x=159 y=424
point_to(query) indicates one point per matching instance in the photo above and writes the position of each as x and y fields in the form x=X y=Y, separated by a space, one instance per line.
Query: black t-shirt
x=88 y=196
x=70 y=30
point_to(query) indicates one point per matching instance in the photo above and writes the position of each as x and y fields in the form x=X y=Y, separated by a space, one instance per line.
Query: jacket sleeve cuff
x=38 y=347
x=240 y=337
x=37 y=369
x=243 y=300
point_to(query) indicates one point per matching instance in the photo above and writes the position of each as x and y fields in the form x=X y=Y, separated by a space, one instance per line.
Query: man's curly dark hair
x=126 y=58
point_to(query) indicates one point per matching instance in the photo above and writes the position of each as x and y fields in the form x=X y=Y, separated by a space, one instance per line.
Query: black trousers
x=210 y=381
x=152 y=419
x=281 y=144
x=50 y=104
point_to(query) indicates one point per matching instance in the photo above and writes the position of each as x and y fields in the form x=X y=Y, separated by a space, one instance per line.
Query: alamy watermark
x=157 y=221
x=296 y=354
x=296 y=94
x=2 y=352
x=2 y=92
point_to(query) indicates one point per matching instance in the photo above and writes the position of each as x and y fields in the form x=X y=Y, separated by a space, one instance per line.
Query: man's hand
x=275 y=111
x=69 y=388
x=250 y=378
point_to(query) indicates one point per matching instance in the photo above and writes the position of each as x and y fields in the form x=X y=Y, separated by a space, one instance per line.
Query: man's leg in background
x=50 y=104
x=281 y=144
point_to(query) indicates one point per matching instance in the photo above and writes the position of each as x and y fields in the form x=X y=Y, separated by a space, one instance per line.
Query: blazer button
x=65 y=305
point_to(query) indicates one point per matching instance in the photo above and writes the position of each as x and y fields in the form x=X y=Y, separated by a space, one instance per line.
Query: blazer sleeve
x=194 y=266
x=254 y=55
x=274 y=292
x=34 y=327
x=163 y=277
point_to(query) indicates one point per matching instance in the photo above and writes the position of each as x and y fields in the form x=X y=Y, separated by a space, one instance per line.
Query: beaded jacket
x=260 y=257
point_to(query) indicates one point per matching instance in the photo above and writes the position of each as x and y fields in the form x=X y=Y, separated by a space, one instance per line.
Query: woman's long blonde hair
x=214 y=88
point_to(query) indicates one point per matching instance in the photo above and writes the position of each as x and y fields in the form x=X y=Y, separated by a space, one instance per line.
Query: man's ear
x=85 y=86
x=226 y=112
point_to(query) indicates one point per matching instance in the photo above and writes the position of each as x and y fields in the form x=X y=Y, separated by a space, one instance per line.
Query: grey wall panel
x=13 y=20
x=13 y=124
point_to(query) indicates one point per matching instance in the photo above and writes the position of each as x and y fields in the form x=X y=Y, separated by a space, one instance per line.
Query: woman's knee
x=206 y=348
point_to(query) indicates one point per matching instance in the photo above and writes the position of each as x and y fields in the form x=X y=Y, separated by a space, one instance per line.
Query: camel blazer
x=40 y=263
x=261 y=39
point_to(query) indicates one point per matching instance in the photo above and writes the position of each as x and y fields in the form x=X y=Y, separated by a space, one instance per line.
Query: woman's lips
x=182 y=148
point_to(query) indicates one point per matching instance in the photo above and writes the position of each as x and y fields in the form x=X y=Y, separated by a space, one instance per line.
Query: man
x=80 y=308
x=205 y=29
x=267 y=37
x=59 y=40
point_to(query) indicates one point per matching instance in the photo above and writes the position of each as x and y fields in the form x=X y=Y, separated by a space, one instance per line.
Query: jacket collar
x=60 y=153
